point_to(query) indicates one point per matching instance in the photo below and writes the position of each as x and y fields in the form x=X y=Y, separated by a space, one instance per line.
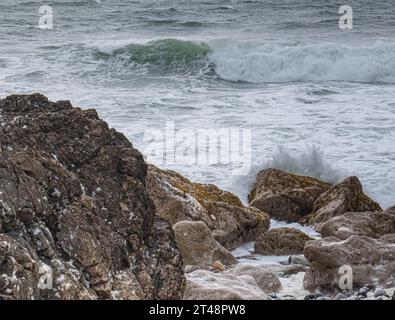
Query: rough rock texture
x=176 y=199
x=285 y=196
x=73 y=202
x=267 y=281
x=281 y=241
x=347 y=196
x=372 y=261
x=206 y=285
x=371 y=224
x=197 y=245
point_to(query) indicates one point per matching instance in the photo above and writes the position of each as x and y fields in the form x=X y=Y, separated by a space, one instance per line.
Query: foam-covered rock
x=207 y=285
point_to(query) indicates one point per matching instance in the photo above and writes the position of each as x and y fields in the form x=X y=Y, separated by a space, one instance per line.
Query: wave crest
x=166 y=54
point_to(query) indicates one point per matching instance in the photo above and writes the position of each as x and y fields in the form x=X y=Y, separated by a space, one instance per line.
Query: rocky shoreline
x=82 y=216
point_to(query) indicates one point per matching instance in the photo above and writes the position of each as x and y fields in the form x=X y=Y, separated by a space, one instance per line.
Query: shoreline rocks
x=176 y=199
x=74 y=205
x=281 y=241
x=347 y=196
x=285 y=196
x=197 y=245
x=368 y=261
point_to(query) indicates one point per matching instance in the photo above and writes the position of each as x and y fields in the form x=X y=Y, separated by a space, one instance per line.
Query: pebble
x=218 y=266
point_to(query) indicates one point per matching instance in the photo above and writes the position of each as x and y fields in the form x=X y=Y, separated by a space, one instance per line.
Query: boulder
x=347 y=196
x=285 y=196
x=76 y=219
x=281 y=241
x=371 y=224
x=197 y=245
x=367 y=261
x=207 y=285
x=176 y=199
x=266 y=280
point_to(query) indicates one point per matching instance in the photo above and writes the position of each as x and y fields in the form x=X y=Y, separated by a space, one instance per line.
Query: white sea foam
x=238 y=61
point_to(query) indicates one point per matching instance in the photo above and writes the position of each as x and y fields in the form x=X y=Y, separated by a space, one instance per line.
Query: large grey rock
x=206 y=285
x=176 y=199
x=281 y=241
x=371 y=260
x=197 y=245
x=73 y=202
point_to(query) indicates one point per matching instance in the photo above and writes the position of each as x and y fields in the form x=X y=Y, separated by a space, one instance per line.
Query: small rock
x=300 y=259
x=217 y=265
x=380 y=293
x=313 y=296
x=363 y=291
x=340 y=296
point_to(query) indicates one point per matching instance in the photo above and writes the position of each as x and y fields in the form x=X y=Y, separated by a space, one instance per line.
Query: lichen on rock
x=73 y=198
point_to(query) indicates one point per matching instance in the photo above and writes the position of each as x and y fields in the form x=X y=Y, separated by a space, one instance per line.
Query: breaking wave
x=311 y=162
x=166 y=55
x=287 y=63
x=260 y=63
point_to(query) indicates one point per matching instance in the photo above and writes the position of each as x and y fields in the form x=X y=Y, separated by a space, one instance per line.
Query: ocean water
x=316 y=99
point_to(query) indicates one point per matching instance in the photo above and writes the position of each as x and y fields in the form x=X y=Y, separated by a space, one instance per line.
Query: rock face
x=281 y=241
x=177 y=199
x=347 y=196
x=371 y=224
x=371 y=261
x=285 y=196
x=74 y=209
x=197 y=245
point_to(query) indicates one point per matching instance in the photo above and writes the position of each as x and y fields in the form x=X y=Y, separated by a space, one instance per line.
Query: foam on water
x=258 y=63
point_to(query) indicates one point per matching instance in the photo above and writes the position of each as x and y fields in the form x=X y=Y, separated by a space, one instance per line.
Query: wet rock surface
x=73 y=201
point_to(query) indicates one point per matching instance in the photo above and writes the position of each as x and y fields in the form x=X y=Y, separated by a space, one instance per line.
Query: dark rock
x=177 y=199
x=285 y=196
x=281 y=241
x=73 y=201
